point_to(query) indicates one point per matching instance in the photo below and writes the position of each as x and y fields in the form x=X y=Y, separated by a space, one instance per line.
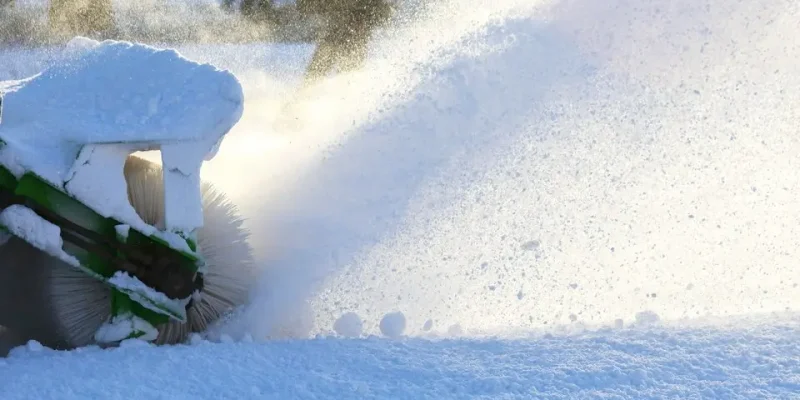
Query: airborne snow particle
x=349 y=325
x=393 y=324
x=530 y=245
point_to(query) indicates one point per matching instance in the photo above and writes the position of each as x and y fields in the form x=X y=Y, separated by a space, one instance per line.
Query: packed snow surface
x=620 y=176
x=753 y=363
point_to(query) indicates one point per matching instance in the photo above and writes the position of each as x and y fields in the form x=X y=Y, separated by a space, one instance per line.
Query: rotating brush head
x=68 y=306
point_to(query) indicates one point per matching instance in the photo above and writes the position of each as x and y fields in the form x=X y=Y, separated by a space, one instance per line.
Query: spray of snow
x=540 y=165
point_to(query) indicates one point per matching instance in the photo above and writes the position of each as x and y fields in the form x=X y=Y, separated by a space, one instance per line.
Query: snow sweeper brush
x=102 y=246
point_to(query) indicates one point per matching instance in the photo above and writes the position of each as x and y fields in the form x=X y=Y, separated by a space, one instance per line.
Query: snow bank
x=74 y=123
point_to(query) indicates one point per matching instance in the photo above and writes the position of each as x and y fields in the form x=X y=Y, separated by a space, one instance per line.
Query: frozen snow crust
x=75 y=123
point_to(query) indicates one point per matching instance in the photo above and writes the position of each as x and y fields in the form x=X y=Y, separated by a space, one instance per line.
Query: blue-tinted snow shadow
x=462 y=112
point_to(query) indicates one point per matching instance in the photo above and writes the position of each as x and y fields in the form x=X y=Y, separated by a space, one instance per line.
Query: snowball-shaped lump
x=349 y=325
x=393 y=324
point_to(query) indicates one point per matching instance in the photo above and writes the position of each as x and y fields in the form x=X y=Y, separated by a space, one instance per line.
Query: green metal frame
x=44 y=194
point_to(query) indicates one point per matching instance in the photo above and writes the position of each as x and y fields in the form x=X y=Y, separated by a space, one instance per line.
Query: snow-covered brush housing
x=66 y=135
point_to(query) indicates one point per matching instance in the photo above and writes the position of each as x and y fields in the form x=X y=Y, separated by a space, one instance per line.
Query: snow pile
x=75 y=123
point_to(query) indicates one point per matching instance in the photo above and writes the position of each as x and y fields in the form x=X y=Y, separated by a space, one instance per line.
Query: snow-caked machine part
x=100 y=245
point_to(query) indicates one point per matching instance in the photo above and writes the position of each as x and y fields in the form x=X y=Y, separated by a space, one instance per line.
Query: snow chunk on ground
x=118 y=98
x=647 y=318
x=393 y=324
x=455 y=330
x=349 y=325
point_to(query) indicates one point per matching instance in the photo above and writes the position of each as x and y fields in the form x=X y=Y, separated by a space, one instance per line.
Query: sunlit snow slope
x=523 y=168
